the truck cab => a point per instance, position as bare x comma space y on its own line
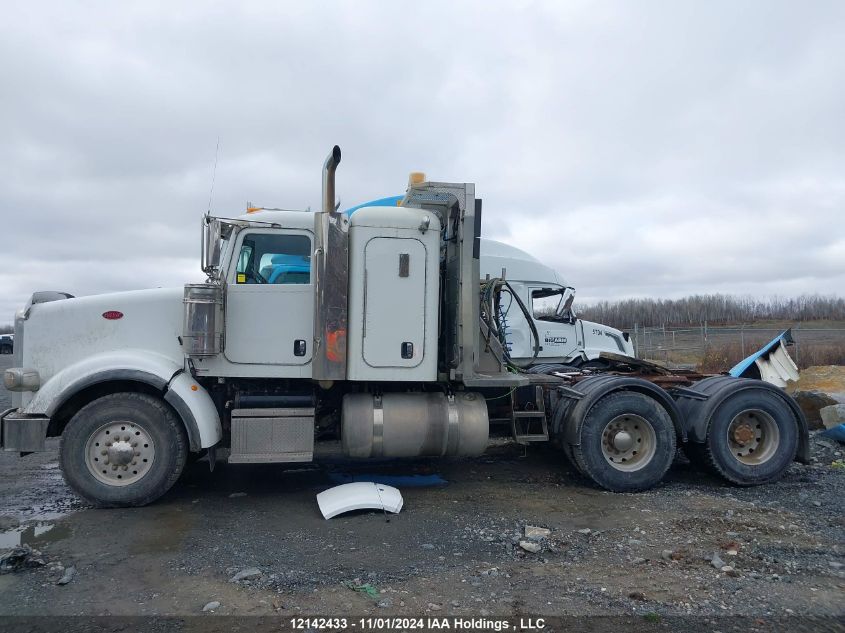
563, 337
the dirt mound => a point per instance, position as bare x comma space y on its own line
829, 379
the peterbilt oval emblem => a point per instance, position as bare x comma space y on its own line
111, 315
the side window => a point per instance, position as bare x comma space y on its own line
543, 304
274, 259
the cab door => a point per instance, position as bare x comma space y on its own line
558, 338
270, 298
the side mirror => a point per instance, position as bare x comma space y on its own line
564, 306
211, 236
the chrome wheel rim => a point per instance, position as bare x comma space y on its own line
753, 437
628, 442
119, 453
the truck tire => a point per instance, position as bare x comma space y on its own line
141, 465
752, 439
627, 442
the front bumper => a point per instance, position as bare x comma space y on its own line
22, 433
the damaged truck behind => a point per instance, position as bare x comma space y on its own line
377, 334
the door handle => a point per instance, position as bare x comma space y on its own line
299, 347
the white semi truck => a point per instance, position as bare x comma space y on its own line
371, 335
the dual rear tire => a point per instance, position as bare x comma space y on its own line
752, 438
628, 442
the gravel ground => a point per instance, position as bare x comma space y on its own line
453, 550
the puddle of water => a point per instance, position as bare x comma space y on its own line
35, 535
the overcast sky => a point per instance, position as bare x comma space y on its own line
641, 148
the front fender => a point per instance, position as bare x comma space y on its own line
191, 401
135, 365
196, 408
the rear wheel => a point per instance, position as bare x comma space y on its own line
627, 442
124, 449
752, 439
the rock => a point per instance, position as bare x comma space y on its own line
434, 607
427, 546
383, 604
211, 606
818, 504
717, 562
833, 415
811, 403
835, 564
637, 595
530, 546
16, 558
667, 554
536, 533
69, 575
731, 552
634, 541
730, 571
584, 531
493, 571
33, 562
234, 495
485, 612
249, 572
637, 561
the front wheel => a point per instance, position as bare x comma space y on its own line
124, 449
627, 442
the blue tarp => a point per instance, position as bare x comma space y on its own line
399, 481
837, 433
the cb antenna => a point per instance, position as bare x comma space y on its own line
213, 173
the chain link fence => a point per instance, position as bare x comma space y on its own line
712, 347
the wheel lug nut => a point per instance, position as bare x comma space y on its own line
125, 438
114, 466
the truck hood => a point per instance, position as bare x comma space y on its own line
602, 338
59, 333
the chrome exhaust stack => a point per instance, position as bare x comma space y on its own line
329, 169
331, 282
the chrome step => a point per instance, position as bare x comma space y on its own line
524, 423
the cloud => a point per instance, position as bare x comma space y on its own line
648, 149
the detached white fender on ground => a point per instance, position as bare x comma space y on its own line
361, 495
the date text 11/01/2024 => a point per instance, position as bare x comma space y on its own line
418, 623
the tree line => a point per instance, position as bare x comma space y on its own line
715, 309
